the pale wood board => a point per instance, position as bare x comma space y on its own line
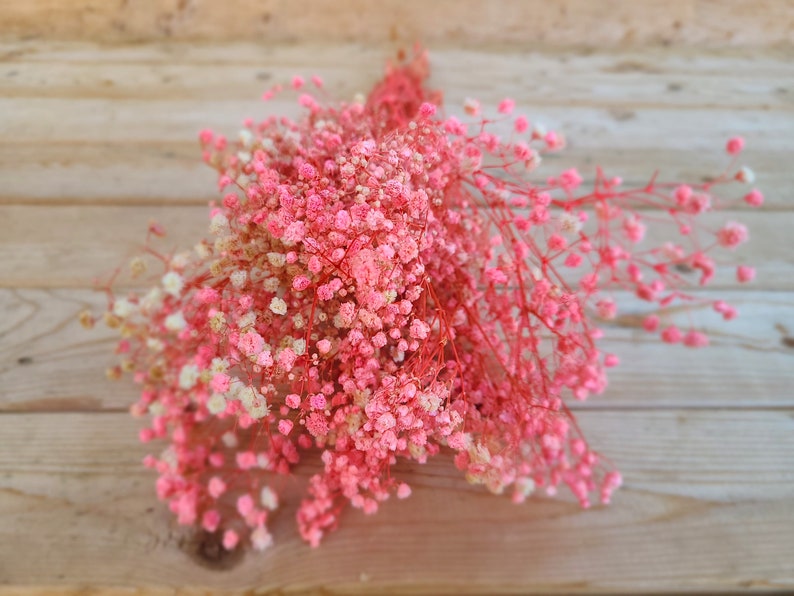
96, 140
693, 501
73, 246
745, 23
132, 113
50, 363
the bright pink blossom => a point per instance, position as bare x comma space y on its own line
754, 198
732, 234
745, 274
734, 145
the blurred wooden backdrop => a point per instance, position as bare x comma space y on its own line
100, 102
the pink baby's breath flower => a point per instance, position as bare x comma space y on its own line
427, 110
230, 539
471, 106
651, 323
695, 339
671, 335
734, 145
727, 311
496, 276
216, 487
317, 425
251, 343
732, 235
745, 273
378, 284
285, 426
300, 282
754, 198
220, 383
570, 179
245, 505
210, 520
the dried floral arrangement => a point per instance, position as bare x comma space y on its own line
384, 282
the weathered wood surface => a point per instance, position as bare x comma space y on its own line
49, 363
125, 120
697, 510
460, 22
97, 140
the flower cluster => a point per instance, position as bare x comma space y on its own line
382, 281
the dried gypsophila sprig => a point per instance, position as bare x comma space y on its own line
382, 282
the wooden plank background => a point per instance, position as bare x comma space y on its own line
100, 103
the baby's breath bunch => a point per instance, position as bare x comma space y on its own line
382, 281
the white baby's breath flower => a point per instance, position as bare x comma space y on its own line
248, 395
219, 365
216, 404
276, 259
223, 244
526, 486
254, 403
238, 278
152, 301
259, 410
137, 266
261, 539
156, 408
569, 223
168, 457
180, 261
269, 146
246, 321
173, 283
218, 322
202, 250
278, 306
299, 346
188, 376
229, 440
429, 401
268, 498
235, 387
271, 284
154, 344
123, 308
745, 175
246, 138
219, 224
175, 321
480, 453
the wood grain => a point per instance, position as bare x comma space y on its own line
72, 246
670, 78
48, 362
693, 501
747, 23
132, 113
